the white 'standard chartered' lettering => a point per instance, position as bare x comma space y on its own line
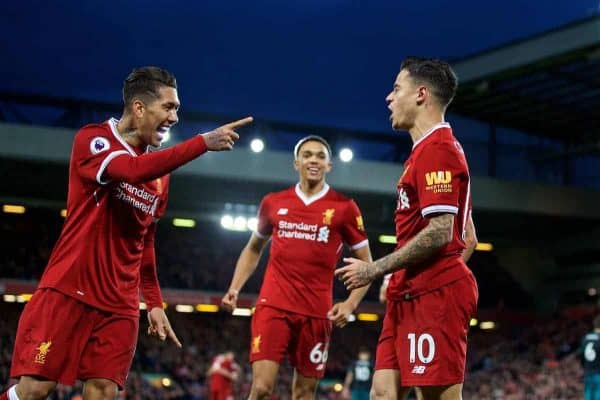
137, 197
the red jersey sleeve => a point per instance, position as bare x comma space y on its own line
92, 153
163, 189
353, 229
148, 274
264, 227
153, 165
439, 171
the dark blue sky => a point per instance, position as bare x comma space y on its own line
328, 62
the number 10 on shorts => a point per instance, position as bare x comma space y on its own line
417, 348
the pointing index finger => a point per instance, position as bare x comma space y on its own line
239, 123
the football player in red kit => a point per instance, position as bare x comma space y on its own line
432, 294
82, 321
308, 224
222, 373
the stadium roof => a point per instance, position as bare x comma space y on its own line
547, 85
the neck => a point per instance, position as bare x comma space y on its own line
425, 123
311, 188
127, 130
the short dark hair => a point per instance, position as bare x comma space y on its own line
144, 83
436, 74
309, 138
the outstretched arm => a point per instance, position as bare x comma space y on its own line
121, 166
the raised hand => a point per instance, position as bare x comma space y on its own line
225, 136
356, 273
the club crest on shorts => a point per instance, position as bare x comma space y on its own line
43, 350
99, 144
256, 344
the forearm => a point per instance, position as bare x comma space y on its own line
419, 249
149, 278
348, 380
147, 167
244, 268
357, 295
470, 240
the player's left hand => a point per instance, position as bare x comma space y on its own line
339, 313
355, 274
160, 326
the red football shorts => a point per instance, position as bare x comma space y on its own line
62, 339
304, 339
425, 337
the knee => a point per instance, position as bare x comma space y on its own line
102, 388
304, 391
35, 390
262, 389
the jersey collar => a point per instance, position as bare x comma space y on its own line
308, 200
113, 127
430, 131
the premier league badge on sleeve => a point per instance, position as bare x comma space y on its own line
99, 144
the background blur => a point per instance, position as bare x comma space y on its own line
526, 114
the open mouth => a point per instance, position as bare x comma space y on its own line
162, 131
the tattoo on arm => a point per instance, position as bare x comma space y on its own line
419, 249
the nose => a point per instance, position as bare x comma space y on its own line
173, 118
389, 98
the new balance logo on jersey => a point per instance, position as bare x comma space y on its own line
418, 369
282, 211
323, 234
403, 202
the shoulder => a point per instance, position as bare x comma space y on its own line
96, 137
334, 195
279, 195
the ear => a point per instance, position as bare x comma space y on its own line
422, 94
329, 166
138, 107
296, 165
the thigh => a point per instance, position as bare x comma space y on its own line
431, 336
51, 336
109, 351
385, 357
386, 384
271, 334
310, 346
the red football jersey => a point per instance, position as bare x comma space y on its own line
98, 254
219, 382
435, 180
307, 239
